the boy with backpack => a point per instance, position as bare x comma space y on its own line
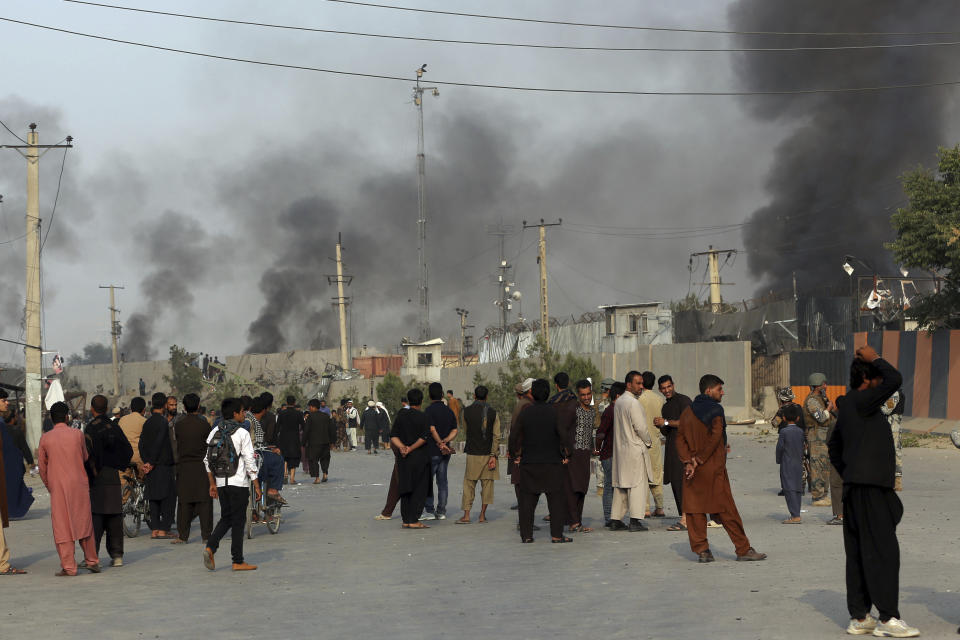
230, 469
790, 459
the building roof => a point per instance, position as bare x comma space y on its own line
428, 343
628, 306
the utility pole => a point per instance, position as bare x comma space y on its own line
33, 351
463, 313
424, 320
341, 302
115, 334
503, 281
542, 261
713, 266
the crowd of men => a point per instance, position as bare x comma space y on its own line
642, 438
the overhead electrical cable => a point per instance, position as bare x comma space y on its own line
56, 199
523, 45
479, 85
641, 28
12, 133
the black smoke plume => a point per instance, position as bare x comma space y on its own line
834, 182
179, 254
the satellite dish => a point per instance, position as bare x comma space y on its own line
516, 295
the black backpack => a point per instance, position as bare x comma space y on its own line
221, 454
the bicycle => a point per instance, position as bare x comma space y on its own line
136, 507
266, 510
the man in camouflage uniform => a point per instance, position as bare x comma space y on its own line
893, 410
819, 418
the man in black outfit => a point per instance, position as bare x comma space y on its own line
109, 454
861, 450
536, 442
408, 436
156, 451
319, 432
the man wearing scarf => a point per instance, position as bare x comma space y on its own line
701, 445
108, 452
482, 447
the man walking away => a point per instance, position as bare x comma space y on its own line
289, 421
861, 449
706, 488
232, 489
193, 489
669, 424
61, 456
319, 434
156, 450
482, 446
652, 403
631, 470
443, 429
410, 433
6, 569
790, 458
537, 444
108, 453
605, 447
269, 420
371, 427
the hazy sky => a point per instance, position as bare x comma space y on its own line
205, 187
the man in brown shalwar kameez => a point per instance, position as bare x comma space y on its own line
61, 454
706, 489
482, 446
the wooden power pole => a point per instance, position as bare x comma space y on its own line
115, 337
542, 261
33, 351
341, 303
713, 266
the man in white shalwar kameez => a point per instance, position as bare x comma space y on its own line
631, 469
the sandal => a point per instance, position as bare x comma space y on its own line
659, 514
561, 540
527, 540
462, 521
13, 571
419, 525
677, 527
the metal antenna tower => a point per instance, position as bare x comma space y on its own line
504, 285
424, 323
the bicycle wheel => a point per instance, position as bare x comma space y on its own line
273, 520
131, 519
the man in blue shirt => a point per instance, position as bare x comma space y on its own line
443, 429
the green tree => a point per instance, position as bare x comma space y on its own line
928, 237
392, 388
542, 363
184, 378
296, 391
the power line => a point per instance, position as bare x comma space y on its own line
478, 85
12, 133
56, 198
643, 28
522, 45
